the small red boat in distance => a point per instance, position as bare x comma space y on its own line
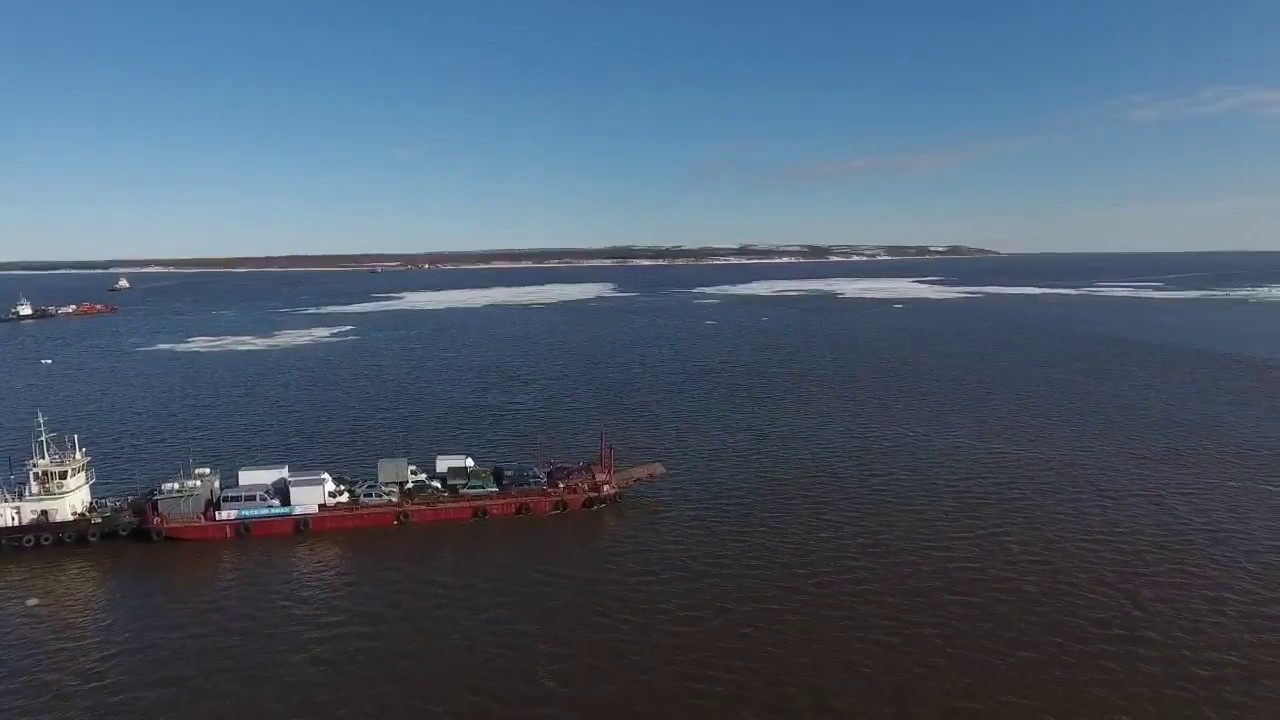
195, 509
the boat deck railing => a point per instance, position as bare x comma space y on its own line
180, 518
111, 504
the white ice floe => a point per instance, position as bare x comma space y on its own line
927, 288
475, 297
1131, 284
274, 341
706, 301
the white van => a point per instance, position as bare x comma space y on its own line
248, 498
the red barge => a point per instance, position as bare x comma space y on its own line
562, 488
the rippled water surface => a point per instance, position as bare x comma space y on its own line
1058, 500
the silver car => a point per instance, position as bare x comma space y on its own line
374, 497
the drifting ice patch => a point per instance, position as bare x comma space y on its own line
474, 297
844, 287
923, 288
274, 341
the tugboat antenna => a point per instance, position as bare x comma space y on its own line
44, 436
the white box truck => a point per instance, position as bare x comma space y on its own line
314, 488
263, 474
445, 462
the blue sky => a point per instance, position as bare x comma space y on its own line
137, 129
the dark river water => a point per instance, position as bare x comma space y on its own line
1012, 492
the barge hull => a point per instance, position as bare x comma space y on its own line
351, 518
382, 516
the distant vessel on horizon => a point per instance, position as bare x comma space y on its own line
121, 284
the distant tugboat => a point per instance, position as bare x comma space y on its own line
121, 284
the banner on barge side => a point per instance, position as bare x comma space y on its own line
254, 513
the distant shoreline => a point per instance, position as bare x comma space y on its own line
477, 266
578, 257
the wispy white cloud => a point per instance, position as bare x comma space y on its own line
904, 163
1248, 100
923, 161
1243, 99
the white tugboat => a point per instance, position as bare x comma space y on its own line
23, 309
56, 501
121, 284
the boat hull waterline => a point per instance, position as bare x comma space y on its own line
338, 519
70, 532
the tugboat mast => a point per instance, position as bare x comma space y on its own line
44, 439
